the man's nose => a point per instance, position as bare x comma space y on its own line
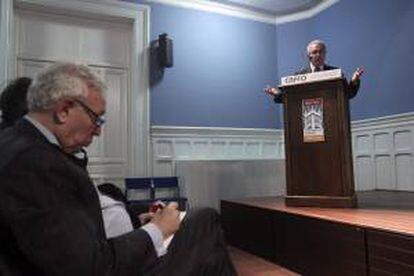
97, 131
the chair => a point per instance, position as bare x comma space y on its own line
170, 184
152, 187
141, 184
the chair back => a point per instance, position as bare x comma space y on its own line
166, 182
140, 183
170, 184
156, 185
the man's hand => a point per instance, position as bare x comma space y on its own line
144, 218
167, 219
271, 90
357, 75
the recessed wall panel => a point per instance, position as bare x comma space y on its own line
363, 144
384, 173
404, 172
403, 140
364, 174
382, 142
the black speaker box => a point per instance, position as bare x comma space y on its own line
165, 50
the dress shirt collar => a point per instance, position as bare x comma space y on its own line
42, 129
313, 67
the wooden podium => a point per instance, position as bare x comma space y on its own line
317, 140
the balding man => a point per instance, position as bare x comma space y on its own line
316, 53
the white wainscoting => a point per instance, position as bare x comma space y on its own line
196, 143
220, 163
383, 152
383, 155
206, 182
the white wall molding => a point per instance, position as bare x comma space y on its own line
305, 14
217, 163
402, 119
383, 149
208, 6
6, 14
177, 131
170, 144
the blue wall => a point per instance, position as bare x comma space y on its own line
376, 34
221, 63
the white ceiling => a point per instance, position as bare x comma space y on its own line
272, 7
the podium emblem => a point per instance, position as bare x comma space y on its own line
312, 117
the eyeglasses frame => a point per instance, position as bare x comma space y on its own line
97, 119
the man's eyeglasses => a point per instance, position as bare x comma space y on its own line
96, 119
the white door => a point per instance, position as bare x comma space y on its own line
42, 38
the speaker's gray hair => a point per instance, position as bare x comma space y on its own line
316, 42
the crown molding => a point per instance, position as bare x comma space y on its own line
187, 131
306, 14
207, 6
394, 120
224, 9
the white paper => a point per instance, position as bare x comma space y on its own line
169, 239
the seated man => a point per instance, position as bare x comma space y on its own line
13, 106
50, 217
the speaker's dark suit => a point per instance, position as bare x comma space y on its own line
50, 217
352, 89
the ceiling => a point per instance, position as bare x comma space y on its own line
272, 7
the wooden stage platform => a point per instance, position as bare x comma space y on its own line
377, 238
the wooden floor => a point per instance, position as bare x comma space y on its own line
249, 265
383, 210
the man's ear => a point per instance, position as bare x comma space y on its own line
62, 111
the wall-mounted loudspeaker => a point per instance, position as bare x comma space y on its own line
165, 50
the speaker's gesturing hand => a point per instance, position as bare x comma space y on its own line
357, 74
271, 90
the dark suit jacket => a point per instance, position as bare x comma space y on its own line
352, 88
50, 217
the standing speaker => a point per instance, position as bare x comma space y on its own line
165, 50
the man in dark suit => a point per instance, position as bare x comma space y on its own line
316, 53
50, 217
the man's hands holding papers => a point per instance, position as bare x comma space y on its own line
167, 219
